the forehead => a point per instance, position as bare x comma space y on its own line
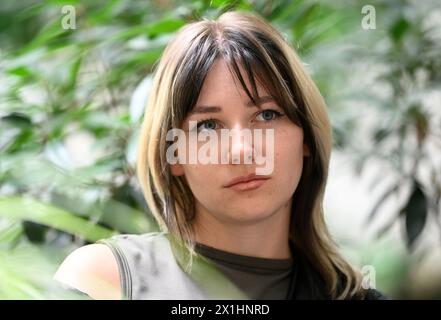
221, 84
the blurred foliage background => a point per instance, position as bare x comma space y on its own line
71, 103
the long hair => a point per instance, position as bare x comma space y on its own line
245, 39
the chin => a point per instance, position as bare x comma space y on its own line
250, 214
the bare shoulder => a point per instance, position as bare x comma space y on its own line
92, 269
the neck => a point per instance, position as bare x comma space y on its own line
267, 238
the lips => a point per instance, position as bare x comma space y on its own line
247, 182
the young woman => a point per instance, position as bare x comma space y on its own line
226, 230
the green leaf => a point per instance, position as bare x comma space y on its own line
381, 133
73, 74
165, 26
399, 28
109, 212
10, 232
21, 71
17, 119
415, 213
29, 209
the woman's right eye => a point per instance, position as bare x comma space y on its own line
208, 124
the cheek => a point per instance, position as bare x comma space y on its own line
290, 147
199, 178
289, 154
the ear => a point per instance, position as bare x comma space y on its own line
177, 169
306, 152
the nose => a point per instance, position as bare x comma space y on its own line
241, 150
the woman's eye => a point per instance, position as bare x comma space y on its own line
268, 115
264, 116
209, 124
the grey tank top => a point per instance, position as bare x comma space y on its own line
149, 269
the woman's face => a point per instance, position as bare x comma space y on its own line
255, 200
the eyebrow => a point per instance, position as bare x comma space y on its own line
216, 109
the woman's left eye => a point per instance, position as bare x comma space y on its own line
268, 115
